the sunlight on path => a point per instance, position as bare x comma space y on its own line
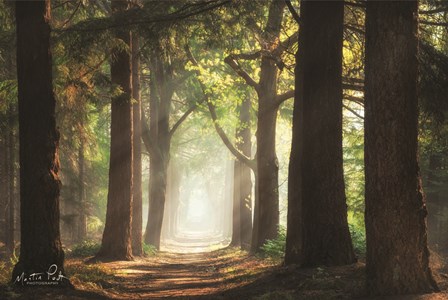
194, 242
172, 275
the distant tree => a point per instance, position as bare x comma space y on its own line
242, 182
40, 245
116, 242
318, 231
265, 164
395, 215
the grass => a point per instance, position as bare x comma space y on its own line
84, 276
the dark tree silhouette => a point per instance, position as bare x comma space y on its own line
40, 245
395, 216
317, 212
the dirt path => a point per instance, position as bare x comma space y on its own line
223, 274
172, 275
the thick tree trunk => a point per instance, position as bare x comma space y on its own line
137, 248
266, 217
116, 243
242, 209
397, 253
318, 231
40, 245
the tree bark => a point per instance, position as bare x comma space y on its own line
137, 242
82, 220
318, 231
242, 203
40, 245
161, 94
266, 217
397, 253
11, 149
116, 243
3, 178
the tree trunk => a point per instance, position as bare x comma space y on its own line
397, 253
266, 218
158, 177
40, 245
137, 248
161, 94
11, 149
4, 180
242, 209
82, 220
318, 231
116, 243
436, 234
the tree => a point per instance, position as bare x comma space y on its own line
395, 216
167, 72
242, 183
266, 215
40, 245
318, 231
160, 104
265, 165
116, 242
137, 142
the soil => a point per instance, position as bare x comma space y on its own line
222, 274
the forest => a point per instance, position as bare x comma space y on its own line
223, 149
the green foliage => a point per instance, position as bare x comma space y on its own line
149, 249
85, 249
275, 248
358, 239
6, 268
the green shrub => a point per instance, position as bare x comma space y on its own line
275, 248
358, 238
84, 249
149, 249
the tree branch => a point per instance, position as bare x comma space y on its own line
237, 68
247, 56
354, 87
353, 111
182, 119
241, 157
294, 13
279, 99
284, 45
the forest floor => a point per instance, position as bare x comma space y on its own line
222, 274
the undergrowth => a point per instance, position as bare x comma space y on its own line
6, 268
85, 249
149, 250
89, 276
275, 248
